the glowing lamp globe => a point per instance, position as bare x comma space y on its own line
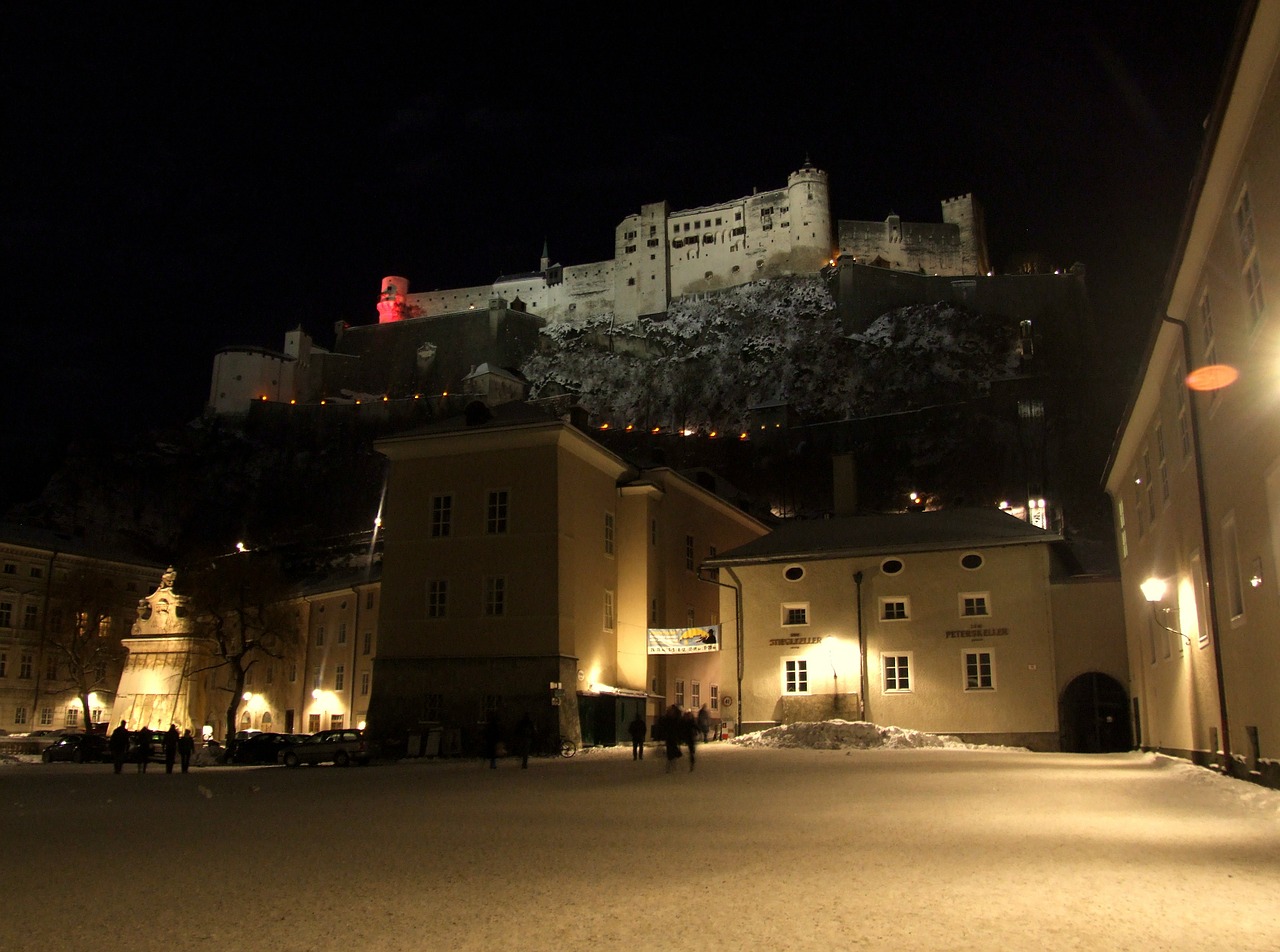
1212, 377
1152, 589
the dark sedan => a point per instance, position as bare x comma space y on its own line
262, 748
77, 748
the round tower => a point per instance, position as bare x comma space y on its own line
392, 299
810, 214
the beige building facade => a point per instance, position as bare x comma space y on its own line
957, 622
524, 566
1194, 475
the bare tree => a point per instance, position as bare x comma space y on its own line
82, 634
239, 603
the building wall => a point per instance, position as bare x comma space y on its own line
1021, 708
1088, 630
1223, 581
242, 376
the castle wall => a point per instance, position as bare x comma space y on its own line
956, 246
243, 375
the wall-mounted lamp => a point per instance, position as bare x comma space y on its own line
1153, 590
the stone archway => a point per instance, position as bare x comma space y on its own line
1093, 715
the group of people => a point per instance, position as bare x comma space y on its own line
675, 728
175, 747
522, 740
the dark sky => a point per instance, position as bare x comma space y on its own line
180, 177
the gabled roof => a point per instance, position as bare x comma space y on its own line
887, 535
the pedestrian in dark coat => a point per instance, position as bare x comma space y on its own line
670, 730
186, 747
143, 753
170, 747
119, 745
492, 735
704, 723
637, 729
689, 734
524, 739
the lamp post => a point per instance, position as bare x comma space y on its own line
830, 642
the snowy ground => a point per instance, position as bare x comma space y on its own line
771, 849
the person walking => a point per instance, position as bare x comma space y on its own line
524, 739
170, 747
186, 747
492, 735
119, 745
143, 753
637, 729
670, 730
704, 723
689, 734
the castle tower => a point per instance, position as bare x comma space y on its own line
391, 300
965, 212
813, 240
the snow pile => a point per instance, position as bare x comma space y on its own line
844, 735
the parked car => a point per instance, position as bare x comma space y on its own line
261, 748
339, 747
156, 753
77, 748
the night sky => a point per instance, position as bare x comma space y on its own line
182, 177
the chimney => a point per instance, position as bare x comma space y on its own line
844, 484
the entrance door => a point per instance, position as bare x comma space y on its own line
1093, 715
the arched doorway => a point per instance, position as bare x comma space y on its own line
1093, 715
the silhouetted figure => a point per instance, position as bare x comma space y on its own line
689, 734
524, 739
170, 747
186, 747
637, 729
119, 745
492, 735
704, 723
143, 753
669, 727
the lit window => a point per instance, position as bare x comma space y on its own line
20, 715
1124, 535
974, 604
441, 516
337, 722
796, 614
496, 519
313, 723
46, 716
715, 696
608, 610
339, 677
795, 676
895, 608
72, 717
979, 671
315, 679
679, 692
695, 694
897, 673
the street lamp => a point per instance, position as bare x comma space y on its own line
1153, 590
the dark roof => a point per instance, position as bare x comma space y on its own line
504, 415
52, 540
886, 535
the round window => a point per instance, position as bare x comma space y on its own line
971, 561
891, 566
793, 573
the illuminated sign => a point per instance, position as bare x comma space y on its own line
977, 633
684, 640
793, 640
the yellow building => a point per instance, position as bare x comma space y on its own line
960, 622
1194, 474
524, 565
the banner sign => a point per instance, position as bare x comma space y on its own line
684, 640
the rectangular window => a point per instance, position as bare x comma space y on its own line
715, 696
679, 692
4, 663
319, 636
895, 608
1162, 462
1149, 485
1251, 272
795, 614
37, 572
368, 600
293, 672
1231, 558
316, 684
313, 723
608, 610
46, 716
1184, 423
337, 722
366, 646
72, 717
342, 632
20, 715
979, 671
496, 513
495, 595
29, 616
688, 552
795, 676
437, 597
339, 677
25, 663
10, 568
51, 668
897, 673
974, 604
271, 673
608, 533
6, 614
441, 516
1124, 535
364, 683
695, 694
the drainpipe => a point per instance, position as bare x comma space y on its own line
1205, 545
737, 611
862, 650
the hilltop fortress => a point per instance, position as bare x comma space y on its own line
660, 255
426, 342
